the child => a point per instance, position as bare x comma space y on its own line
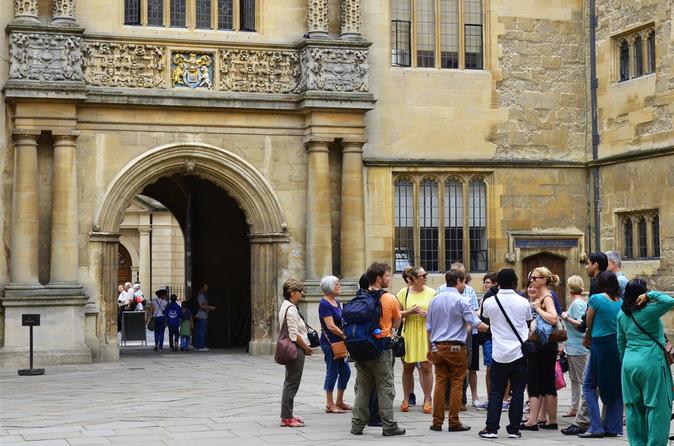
173, 317
185, 327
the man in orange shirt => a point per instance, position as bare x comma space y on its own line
378, 372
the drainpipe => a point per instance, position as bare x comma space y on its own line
595, 126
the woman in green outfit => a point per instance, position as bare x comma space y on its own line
646, 376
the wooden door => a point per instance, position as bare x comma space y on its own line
554, 264
123, 265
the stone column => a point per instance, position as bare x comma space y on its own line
144, 258
64, 223
350, 19
317, 19
264, 294
25, 236
352, 246
64, 13
319, 229
26, 10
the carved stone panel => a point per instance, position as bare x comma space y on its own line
260, 71
317, 18
350, 18
192, 70
63, 12
26, 10
109, 64
335, 69
45, 57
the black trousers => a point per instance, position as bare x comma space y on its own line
516, 372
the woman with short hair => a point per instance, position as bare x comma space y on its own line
338, 371
646, 376
293, 293
604, 367
576, 353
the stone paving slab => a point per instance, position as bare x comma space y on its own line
214, 398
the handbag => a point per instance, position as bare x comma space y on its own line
667, 349
559, 376
312, 335
286, 350
338, 350
398, 346
528, 347
563, 362
150, 324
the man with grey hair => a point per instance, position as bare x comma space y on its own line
614, 265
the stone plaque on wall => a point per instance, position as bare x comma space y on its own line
260, 71
192, 70
45, 57
109, 64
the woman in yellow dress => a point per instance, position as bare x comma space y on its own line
414, 301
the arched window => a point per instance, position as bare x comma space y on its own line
643, 238
655, 226
477, 224
425, 31
628, 239
624, 61
403, 220
178, 13
132, 12
638, 57
651, 52
453, 222
429, 210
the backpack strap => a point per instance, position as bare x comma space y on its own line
519, 338
664, 350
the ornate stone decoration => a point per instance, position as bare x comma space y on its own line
63, 12
350, 19
192, 70
109, 64
26, 10
317, 18
260, 71
45, 57
334, 69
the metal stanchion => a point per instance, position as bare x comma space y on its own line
31, 320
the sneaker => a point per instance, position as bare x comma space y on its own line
514, 434
291, 422
412, 399
487, 434
505, 406
396, 431
480, 405
205, 349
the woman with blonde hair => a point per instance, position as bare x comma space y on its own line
576, 353
541, 366
414, 301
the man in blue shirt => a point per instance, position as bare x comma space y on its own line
446, 321
615, 265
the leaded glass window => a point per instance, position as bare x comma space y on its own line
624, 61
428, 224
638, 57
453, 222
651, 52
425, 24
403, 218
655, 227
203, 16
247, 10
643, 238
401, 27
178, 13
449, 33
132, 12
225, 15
477, 225
155, 12
473, 34
628, 239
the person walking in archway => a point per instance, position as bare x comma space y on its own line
201, 319
157, 310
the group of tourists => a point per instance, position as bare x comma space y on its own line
612, 341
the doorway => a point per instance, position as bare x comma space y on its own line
555, 264
123, 265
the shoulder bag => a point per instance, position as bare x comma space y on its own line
312, 335
528, 347
338, 348
667, 349
286, 350
398, 341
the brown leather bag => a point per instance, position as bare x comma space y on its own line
338, 350
286, 350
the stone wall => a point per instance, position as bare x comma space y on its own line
637, 114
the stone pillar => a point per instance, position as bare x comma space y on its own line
350, 19
26, 11
319, 229
264, 294
144, 259
352, 246
64, 223
25, 236
64, 13
317, 19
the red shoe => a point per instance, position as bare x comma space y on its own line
291, 422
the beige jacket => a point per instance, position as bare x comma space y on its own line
296, 326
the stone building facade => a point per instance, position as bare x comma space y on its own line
311, 137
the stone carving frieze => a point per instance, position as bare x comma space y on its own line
64, 9
260, 71
350, 16
110, 64
45, 57
335, 69
25, 8
192, 70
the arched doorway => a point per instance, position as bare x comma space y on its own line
555, 264
233, 203
123, 265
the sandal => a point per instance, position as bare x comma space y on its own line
333, 409
428, 408
404, 406
344, 406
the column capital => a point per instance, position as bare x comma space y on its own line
18, 134
353, 145
145, 229
318, 144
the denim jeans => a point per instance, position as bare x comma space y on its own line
184, 342
613, 419
200, 333
159, 328
516, 372
336, 369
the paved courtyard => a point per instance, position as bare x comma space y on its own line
213, 398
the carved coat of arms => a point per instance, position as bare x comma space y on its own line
191, 70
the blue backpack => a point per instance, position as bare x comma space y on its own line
361, 318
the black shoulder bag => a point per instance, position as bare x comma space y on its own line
668, 350
312, 335
528, 347
398, 341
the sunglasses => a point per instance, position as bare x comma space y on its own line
536, 277
422, 276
